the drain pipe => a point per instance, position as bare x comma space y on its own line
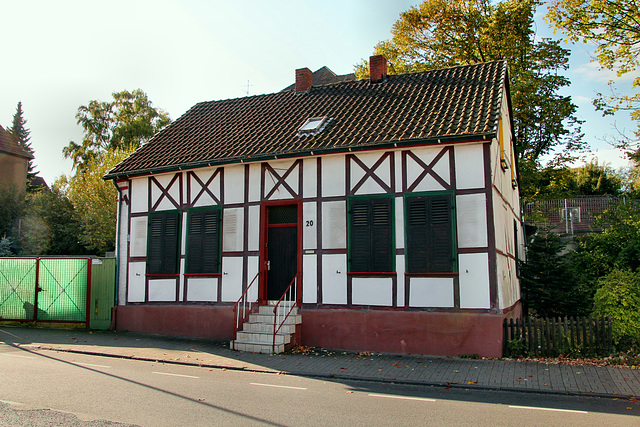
118, 225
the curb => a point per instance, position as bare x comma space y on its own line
342, 377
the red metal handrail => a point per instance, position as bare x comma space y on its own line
291, 293
244, 299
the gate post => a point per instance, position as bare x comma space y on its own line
37, 291
88, 309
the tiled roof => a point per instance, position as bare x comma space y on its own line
324, 76
452, 103
8, 144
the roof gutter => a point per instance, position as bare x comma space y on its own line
311, 152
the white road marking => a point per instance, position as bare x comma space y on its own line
17, 355
91, 365
548, 409
279, 386
390, 396
174, 375
9, 402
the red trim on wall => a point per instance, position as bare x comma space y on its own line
431, 274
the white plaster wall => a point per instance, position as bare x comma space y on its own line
469, 166
333, 179
292, 180
471, 220
508, 289
309, 226
309, 279
231, 278
255, 175
202, 289
136, 288
334, 225
254, 228
174, 191
370, 186
400, 288
309, 177
181, 280
372, 291
138, 194
441, 168
252, 270
204, 175
334, 279
232, 229
234, 184
431, 292
474, 280
162, 290
399, 202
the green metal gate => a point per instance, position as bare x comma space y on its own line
45, 289
103, 286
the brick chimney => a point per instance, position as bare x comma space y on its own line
377, 68
304, 79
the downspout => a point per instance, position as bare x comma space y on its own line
118, 225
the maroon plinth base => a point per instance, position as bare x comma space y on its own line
402, 332
214, 322
406, 332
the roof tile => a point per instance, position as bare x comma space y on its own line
453, 102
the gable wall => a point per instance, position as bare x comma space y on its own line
506, 213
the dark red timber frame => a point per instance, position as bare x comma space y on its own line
264, 253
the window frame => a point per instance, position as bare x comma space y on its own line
189, 269
410, 269
164, 269
392, 229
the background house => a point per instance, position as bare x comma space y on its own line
14, 161
392, 200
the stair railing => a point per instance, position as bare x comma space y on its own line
283, 308
243, 307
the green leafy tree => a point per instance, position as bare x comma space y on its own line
49, 226
6, 247
12, 206
444, 33
619, 297
24, 137
94, 200
125, 123
614, 27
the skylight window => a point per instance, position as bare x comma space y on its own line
313, 126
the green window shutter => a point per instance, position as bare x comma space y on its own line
429, 223
371, 235
203, 251
163, 244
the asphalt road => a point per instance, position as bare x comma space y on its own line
58, 388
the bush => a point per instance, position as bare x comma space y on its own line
619, 297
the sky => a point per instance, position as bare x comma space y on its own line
59, 55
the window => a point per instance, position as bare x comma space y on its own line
163, 243
313, 126
203, 241
371, 245
430, 235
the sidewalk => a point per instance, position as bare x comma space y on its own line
427, 370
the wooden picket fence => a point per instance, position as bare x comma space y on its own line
580, 336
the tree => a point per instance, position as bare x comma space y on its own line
619, 297
49, 225
94, 200
614, 27
444, 33
12, 205
22, 134
549, 285
125, 123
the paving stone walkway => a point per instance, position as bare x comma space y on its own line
409, 369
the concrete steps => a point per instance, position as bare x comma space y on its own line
256, 335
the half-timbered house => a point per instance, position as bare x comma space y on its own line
386, 209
